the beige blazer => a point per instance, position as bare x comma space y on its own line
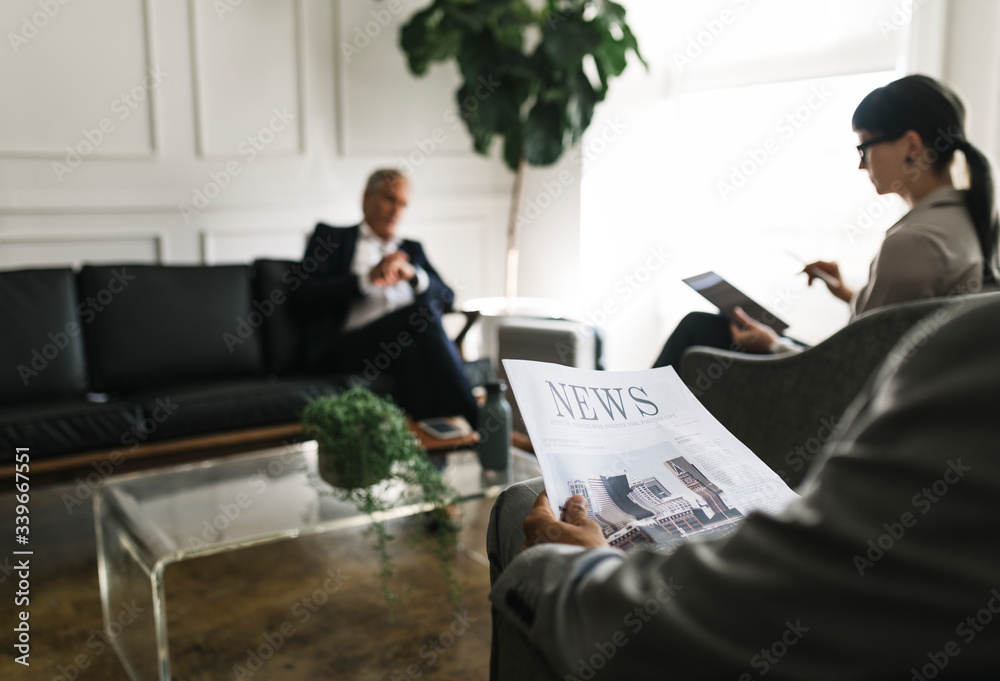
931, 251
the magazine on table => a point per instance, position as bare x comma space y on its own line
655, 466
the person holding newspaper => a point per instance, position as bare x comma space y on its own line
909, 132
882, 569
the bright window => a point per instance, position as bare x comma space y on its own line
747, 163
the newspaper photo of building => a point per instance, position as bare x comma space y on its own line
634, 512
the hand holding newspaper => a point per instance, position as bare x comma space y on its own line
654, 464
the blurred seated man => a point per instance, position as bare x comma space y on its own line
883, 569
374, 305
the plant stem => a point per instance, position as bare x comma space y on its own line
388, 568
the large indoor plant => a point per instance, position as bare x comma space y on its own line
365, 449
546, 64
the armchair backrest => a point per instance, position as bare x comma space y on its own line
785, 407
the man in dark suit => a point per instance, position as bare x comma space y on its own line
374, 305
887, 567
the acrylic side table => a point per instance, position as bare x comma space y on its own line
147, 521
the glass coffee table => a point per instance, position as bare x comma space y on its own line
147, 521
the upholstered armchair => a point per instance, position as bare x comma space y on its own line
784, 407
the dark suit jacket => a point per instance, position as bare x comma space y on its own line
326, 295
888, 567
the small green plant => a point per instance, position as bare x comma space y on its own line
364, 443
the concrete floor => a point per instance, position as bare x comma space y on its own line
310, 606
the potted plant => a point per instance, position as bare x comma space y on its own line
364, 446
547, 69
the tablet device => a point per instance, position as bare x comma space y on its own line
442, 428
725, 296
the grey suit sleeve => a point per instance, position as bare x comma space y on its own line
887, 566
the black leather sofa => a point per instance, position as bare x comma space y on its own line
116, 358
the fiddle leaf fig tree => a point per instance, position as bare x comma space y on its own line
532, 73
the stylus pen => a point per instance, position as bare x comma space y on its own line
816, 271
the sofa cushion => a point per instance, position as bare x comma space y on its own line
54, 428
159, 325
193, 409
41, 353
276, 281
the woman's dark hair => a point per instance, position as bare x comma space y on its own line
935, 112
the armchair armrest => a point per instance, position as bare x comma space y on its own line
785, 407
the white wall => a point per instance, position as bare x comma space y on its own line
550, 230
971, 64
131, 192
334, 65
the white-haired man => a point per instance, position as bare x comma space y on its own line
374, 306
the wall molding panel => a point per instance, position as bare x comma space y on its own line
101, 117
244, 245
383, 110
214, 70
54, 249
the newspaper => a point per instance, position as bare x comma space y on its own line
655, 466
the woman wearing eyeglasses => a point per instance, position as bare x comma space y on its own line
909, 132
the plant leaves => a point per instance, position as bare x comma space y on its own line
539, 103
430, 35
413, 40
580, 107
568, 41
631, 43
507, 22
473, 19
543, 134
610, 56
482, 134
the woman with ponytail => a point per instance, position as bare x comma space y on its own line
910, 131
946, 244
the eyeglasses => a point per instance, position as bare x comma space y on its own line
863, 147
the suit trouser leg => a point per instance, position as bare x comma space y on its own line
511, 655
411, 345
697, 328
